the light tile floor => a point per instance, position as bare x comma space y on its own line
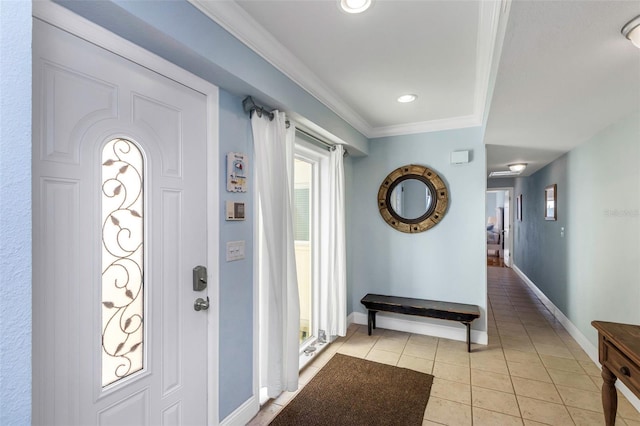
531, 373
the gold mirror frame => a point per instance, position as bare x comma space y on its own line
436, 211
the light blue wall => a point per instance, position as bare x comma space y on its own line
15, 213
491, 205
500, 183
236, 278
494, 199
500, 196
593, 272
539, 250
603, 227
446, 262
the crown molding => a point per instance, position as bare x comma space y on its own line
230, 16
242, 26
427, 126
488, 26
492, 26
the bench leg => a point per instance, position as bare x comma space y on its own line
468, 324
371, 321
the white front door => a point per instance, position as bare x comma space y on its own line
119, 222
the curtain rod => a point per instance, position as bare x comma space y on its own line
324, 143
330, 146
249, 106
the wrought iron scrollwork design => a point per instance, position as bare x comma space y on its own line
122, 260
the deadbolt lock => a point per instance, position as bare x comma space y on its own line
199, 278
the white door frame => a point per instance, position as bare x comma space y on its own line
62, 18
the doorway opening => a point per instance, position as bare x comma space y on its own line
310, 195
499, 219
304, 221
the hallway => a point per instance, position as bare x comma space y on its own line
532, 372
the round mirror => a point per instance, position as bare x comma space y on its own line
412, 198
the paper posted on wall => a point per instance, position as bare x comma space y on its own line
237, 172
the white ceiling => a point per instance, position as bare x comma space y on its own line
565, 71
393, 49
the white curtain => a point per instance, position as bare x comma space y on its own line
278, 285
335, 294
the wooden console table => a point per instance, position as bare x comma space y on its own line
619, 354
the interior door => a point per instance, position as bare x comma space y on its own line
119, 222
507, 229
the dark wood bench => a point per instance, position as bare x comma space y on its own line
460, 312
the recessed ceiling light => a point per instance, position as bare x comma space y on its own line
407, 98
503, 173
355, 6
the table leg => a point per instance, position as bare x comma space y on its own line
609, 396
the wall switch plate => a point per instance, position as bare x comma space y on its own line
235, 250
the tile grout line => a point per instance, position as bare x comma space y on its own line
545, 367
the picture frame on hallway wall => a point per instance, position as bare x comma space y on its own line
519, 208
550, 202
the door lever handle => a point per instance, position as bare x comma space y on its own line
200, 304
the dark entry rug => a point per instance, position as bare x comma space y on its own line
353, 391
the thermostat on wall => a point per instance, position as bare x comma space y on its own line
459, 157
235, 211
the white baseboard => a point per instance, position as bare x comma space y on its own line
350, 319
585, 344
422, 326
243, 414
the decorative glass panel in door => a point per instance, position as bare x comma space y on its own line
122, 260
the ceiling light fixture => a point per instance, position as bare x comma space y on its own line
632, 31
355, 6
407, 98
518, 167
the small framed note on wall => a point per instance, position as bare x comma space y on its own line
550, 198
237, 172
519, 208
